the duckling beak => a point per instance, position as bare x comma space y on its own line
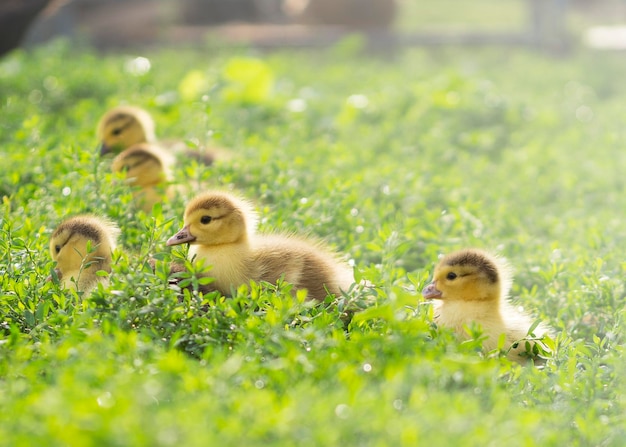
104, 149
430, 292
184, 236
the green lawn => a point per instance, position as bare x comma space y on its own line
392, 161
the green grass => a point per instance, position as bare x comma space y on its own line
393, 162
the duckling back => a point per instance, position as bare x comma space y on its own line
517, 325
305, 264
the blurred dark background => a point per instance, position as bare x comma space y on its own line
547, 24
108, 23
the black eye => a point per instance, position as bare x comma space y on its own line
116, 131
57, 248
205, 220
451, 276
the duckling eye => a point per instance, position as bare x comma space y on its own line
451, 276
57, 248
117, 131
205, 220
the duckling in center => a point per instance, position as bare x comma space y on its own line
147, 170
82, 246
472, 286
220, 228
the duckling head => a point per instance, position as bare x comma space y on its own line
123, 126
142, 164
216, 218
469, 275
81, 246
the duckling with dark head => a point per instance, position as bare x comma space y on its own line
82, 246
147, 171
220, 227
472, 286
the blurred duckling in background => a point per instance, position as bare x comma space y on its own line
82, 246
147, 170
124, 126
221, 229
473, 287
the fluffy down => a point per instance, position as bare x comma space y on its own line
221, 230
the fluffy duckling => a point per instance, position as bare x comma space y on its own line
81, 246
147, 170
221, 231
473, 286
125, 126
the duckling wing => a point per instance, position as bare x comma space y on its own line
304, 264
517, 323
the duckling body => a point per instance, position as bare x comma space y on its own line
147, 170
221, 230
82, 246
473, 287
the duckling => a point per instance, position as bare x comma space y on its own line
82, 246
221, 229
147, 169
473, 286
125, 126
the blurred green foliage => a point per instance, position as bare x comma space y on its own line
393, 161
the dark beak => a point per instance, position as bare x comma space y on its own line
430, 292
182, 237
104, 149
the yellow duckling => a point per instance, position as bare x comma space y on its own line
82, 246
221, 230
473, 287
125, 126
147, 170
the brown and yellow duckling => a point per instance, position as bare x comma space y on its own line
147, 171
220, 228
125, 126
81, 247
472, 286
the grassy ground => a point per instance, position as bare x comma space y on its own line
393, 162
